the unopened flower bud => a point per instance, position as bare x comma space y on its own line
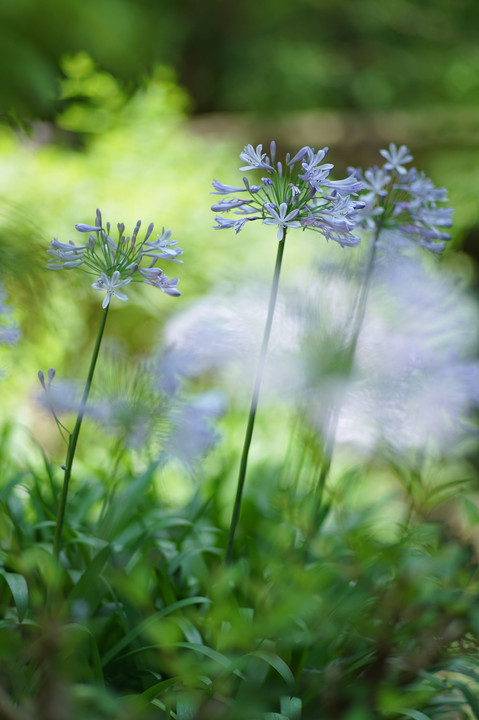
82, 227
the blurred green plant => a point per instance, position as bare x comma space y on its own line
365, 54
149, 622
376, 615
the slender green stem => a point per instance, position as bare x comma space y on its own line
358, 319
363, 296
254, 402
74, 439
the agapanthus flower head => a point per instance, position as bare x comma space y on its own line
403, 205
293, 197
117, 263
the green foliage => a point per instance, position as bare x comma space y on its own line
147, 620
269, 57
357, 602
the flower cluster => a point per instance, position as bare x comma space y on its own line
116, 264
138, 408
287, 198
9, 334
403, 202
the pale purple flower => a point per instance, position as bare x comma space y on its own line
192, 432
396, 157
403, 206
157, 278
256, 159
282, 218
375, 181
229, 223
62, 397
116, 263
252, 189
417, 375
163, 248
225, 205
66, 256
9, 334
222, 189
83, 228
51, 375
421, 187
314, 173
111, 287
302, 154
308, 199
347, 186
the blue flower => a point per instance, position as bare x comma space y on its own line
115, 263
162, 248
9, 334
225, 205
306, 199
81, 227
396, 157
256, 159
222, 189
111, 287
282, 218
402, 205
157, 278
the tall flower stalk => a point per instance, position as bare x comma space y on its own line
72, 443
115, 264
288, 198
401, 208
254, 401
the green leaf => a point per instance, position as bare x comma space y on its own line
212, 654
462, 669
291, 707
95, 655
157, 689
206, 651
141, 627
470, 697
6, 489
414, 714
19, 589
190, 632
124, 505
276, 663
88, 585
182, 556
472, 511
185, 707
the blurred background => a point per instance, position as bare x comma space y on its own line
134, 106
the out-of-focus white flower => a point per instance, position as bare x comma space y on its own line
221, 333
9, 333
192, 432
134, 407
417, 370
415, 376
